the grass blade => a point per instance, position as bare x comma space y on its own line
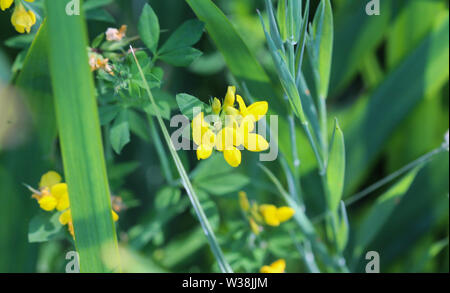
81, 143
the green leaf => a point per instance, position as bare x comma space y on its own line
336, 169
148, 28
186, 35
381, 211
181, 57
108, 113
138, 125
223, 184
34, 81
187, 103
45, 227
167, 198
119, 134
81, 140
281, 17
20, 41
320, 46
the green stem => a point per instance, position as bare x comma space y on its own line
423, 159
223, 265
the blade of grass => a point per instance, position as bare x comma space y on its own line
224, 266
80, 138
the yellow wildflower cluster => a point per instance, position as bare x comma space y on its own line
54, 195
21, 18
229, 128
276, 267
265, 214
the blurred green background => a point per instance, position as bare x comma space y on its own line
389, 74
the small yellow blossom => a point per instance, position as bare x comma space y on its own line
278, 266
236, 126
113, 34
53, 194
274, 216
22, 19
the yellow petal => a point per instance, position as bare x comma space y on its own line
265, 270
232, 156
216, 106
59, 190
49, 179
243, 201
242, 106
47, 203
230, 97
5, 4
199, 126
115, 216
65, 217
258, 110
278, 266
204, 151
285, 213
227, 138
269, 213
32, 16
255, 142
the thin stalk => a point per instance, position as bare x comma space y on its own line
421, 160
324, 129
223, 265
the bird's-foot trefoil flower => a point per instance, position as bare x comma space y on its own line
53, 195
265, 214
278, 266
22, 19
229, 128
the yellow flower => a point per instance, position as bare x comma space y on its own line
235, 129
52, 194
269, 213
276, 267
274, 216
22, 19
